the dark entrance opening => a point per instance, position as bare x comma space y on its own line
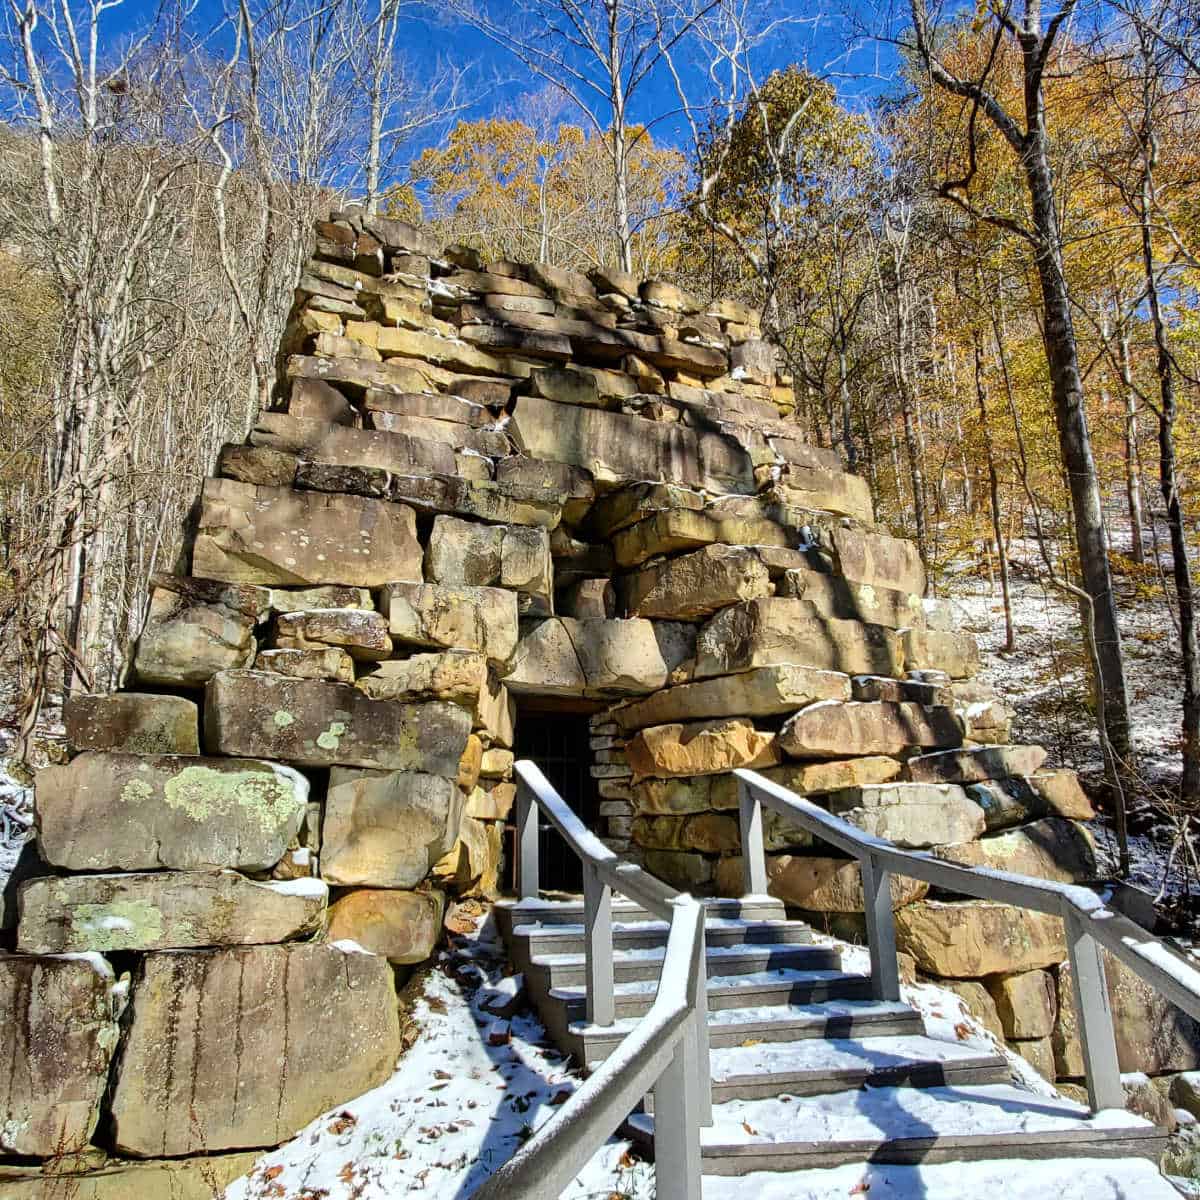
558, 743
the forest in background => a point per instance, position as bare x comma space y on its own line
983, 274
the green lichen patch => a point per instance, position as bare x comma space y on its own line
201, 793
118, 925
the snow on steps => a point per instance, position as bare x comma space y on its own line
1060, 1179
902, 1124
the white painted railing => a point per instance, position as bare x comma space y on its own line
666, 1052
1089, 925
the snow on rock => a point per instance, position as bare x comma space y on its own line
463, 1098
16, 821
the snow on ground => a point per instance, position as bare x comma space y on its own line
16, 820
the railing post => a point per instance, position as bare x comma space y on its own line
881, 928
677, 1128
1095, 1016
754, 863
700, 1062
598, 947
527, 842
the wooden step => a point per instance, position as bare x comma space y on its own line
510, 913
816, 1067
567, 970
1046, 1179
910, 1125
543, 940
591, 1044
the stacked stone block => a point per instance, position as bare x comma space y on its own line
485, 486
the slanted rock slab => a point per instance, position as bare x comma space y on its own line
914, 815
831, 730
403, 927
320, 724
975, 765
463, 618
694, 586
164, 911
59, 1035
1052, 848
107, 811
185, 642
229, 1049
700, 748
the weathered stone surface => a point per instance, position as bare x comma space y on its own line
402, 451
625, 506
694, 586
834, 731
470, 763
258, 465
453, 434
292, 600
497, 763
457, 675
758, 693
113, 811
403, 927
1038, 1053
700, 748
387, 829
877, 559
929, 649
546, 662
59, 1034
708, 833
972, 766
1152, 1035
516, 557
132, 721
686, 871
589, 600
277, 536
1185, 1092
1027, 1004
466, 618
1052, 848
685, 529
816, 883
473, 864
562, 485
971, 938
616, 447
914, 815
492, 803
185, 643
833, 596
163, 911
566, 385
208, 1066
807, 487
363, 635
330, 663
316, 400
878, 687
434, 406
320, 724
164, 1179
1059, 790
762, 633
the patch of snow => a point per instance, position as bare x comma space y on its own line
96, 961
349, 946
309, 888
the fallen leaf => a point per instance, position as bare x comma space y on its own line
861, 1188
750, 1129
962, 1031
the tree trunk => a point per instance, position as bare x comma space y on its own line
994, 494
1133, 475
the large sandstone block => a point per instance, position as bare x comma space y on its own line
625, 506
758, 693
403, 927
479, 498
808, 487
464, 618
673, 530
1018, 799
363, 635
967, 939
694, 586
831, 730
242, 1047
114, 811
707, 833
933, 650
328, 663
404, 453
1052, 848
615, 447
320, 724
914, 815
185, 642
132, 721
1153, 1036
976, 765
700, 748
164, 911
116, 1179
763, 633
473, 864
277, 536
490, 443
456, 675
59, 1035
833, 596
387, 829
877, 559
816, 883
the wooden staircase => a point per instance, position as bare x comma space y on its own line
808, 1071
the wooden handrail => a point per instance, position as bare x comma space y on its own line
666, 1051
1089, 923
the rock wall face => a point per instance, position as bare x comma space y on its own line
485, 487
